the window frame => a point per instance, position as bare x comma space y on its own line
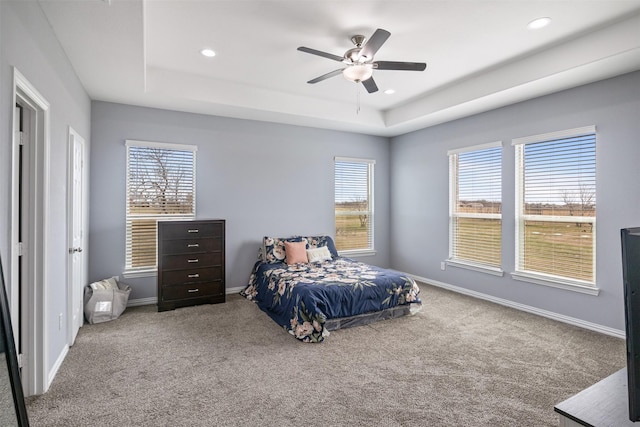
452, 259
370, 250
520, 273
144, 271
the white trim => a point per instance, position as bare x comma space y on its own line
561, 134
354, 160
480, 215
134, 274
529, 309
357, 253
142, 301
493, 144
36, 376
164, 145
556, 282
496, 271
56, 366
558, 218
154, 300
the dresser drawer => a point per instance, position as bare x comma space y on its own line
188, 261
189, 246
194, 290
191, 229
192, 275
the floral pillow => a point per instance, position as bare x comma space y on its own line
273, 250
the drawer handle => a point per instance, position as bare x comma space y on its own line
193, 290
195, 230
193, 276
193, 260
193, 245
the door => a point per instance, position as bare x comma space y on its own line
29, 231
76, 234
21, 117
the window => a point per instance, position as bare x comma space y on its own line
475, 220
160, 186
556, 206
354, 204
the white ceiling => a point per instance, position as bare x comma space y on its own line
479, 54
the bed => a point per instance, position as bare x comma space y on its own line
308, 289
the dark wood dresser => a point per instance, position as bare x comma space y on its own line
190, 263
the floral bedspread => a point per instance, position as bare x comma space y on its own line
301, 297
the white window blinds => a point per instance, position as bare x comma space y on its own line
556, 205
475, 220
354, 204
160, 186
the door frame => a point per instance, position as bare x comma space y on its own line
35, 371
75, 290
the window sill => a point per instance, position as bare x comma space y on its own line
568, 285
475, 267
356, 254
134, 274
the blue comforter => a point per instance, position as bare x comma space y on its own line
301, 297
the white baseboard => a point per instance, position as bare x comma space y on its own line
142, 301
154, 300
522, 307
56, 366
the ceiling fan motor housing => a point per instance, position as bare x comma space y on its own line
353, 55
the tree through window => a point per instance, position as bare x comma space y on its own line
160, 186
354, 204
556, 205
475, 175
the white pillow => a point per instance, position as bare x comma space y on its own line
318, 254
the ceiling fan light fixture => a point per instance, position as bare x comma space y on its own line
358, 73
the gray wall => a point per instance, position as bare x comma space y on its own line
419, 193
27, 43
263, 178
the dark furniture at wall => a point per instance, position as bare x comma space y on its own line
190, 263
603, 404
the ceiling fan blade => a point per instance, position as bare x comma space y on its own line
395, 65
374, 43
325, 76
321, 53
370, 85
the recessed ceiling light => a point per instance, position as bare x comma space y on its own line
389, 91
538, 23
208, 53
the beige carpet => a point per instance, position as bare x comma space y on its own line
459, 362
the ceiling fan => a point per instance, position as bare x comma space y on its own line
359, 61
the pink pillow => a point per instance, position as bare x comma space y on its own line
295, 252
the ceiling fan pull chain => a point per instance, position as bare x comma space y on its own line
357, 99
